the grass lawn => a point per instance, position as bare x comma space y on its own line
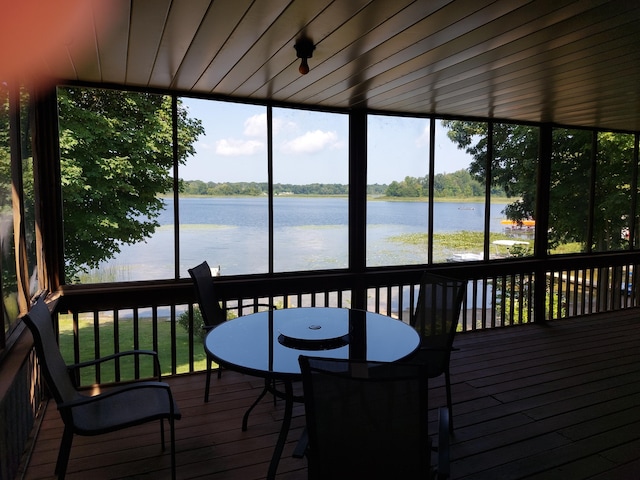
86, 333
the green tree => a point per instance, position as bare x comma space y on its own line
116, 158
195, 187
514, 169
409, 187
612, 208
569, 195
457, 184
515, 155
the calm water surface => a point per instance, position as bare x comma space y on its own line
309, 233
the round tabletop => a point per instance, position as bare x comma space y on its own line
268, 344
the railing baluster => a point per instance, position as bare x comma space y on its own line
576, 284
154, 327
530, 293
174, 347
555, 280
581, 291
490, 296
96, 343
136, 343
116, 344
191, 333
474, 302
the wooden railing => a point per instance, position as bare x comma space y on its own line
161, 316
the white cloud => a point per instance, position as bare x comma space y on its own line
204, 146
256, 126
423, 139
312, 142
233, 148
282, 125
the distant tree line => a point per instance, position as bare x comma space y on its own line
460, 184
456, 184
198, 187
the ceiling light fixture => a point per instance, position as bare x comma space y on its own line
304, 50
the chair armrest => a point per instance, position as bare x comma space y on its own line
89, 363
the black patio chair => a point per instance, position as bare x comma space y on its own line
436, 319
213, 314
113, 409
369, 420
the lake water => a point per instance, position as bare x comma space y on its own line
309, 233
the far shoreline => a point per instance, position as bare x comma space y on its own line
373, 198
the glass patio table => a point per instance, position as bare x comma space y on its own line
268, 344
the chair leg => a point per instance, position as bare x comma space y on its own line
162, 443
63, 454
447, 381
208, 381
275, 399
443, 469
301, 446
172, 439
173, 448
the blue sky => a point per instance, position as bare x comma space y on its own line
308, 146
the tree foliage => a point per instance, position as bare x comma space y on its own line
198, 187
460, 184
514, 169
515, 155
116, 158
409, 187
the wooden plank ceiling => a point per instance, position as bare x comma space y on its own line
573, 62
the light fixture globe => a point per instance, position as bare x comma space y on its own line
304, 50
304, 67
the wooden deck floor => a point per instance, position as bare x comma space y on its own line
560, 401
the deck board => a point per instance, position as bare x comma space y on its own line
552, 401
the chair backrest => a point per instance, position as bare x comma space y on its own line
438, 309
365, 419
212, 312
54, 369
